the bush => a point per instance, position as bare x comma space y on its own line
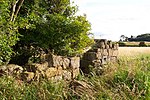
142, 44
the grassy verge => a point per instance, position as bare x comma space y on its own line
129, 79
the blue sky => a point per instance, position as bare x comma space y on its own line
112, 18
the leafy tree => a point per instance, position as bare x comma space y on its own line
51, 25
8, 31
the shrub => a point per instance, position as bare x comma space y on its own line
142, 44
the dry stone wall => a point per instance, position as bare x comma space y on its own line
102, 52
54, 67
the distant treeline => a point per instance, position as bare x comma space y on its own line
142, 37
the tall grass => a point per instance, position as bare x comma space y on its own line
127, 79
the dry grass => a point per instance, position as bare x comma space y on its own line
133, 51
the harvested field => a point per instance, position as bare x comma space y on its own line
133, 51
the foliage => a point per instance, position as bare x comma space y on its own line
8, 32
142, 44
49, 25
142, 37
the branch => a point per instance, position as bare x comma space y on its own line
17, 10
13, 10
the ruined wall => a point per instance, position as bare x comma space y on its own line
102, 52
54, 67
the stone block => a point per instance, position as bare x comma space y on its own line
115, 46
65, 63
106, 46
59, 70
51, 72
110, 44
101, 45
74, 62
104, 60
13, 69
41, 67
56, 78
28, 76
110, 52
66, 75
105, 52
54, 61
75, 72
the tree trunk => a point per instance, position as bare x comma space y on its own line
13, 10
18, 8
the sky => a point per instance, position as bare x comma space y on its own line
112, 18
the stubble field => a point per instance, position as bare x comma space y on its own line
133, 51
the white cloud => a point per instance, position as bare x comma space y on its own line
116, 17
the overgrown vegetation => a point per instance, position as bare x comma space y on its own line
128, 79
41, 25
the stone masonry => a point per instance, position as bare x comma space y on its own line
102, 52
54, 67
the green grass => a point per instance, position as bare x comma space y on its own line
128, 79
132, 44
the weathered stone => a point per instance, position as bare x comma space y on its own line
50, 72
54, 61
41, 67
110, 53
28, 76
101, 45
74, 62
66, 75
65, 63
59, 70
57, 78
100, 54
75, 72
30, 68
110, 44
13, 69
106, 46
104, 60
105, 52
115, 46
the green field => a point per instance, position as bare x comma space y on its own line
132, 44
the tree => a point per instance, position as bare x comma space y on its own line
8, 29
51, 25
